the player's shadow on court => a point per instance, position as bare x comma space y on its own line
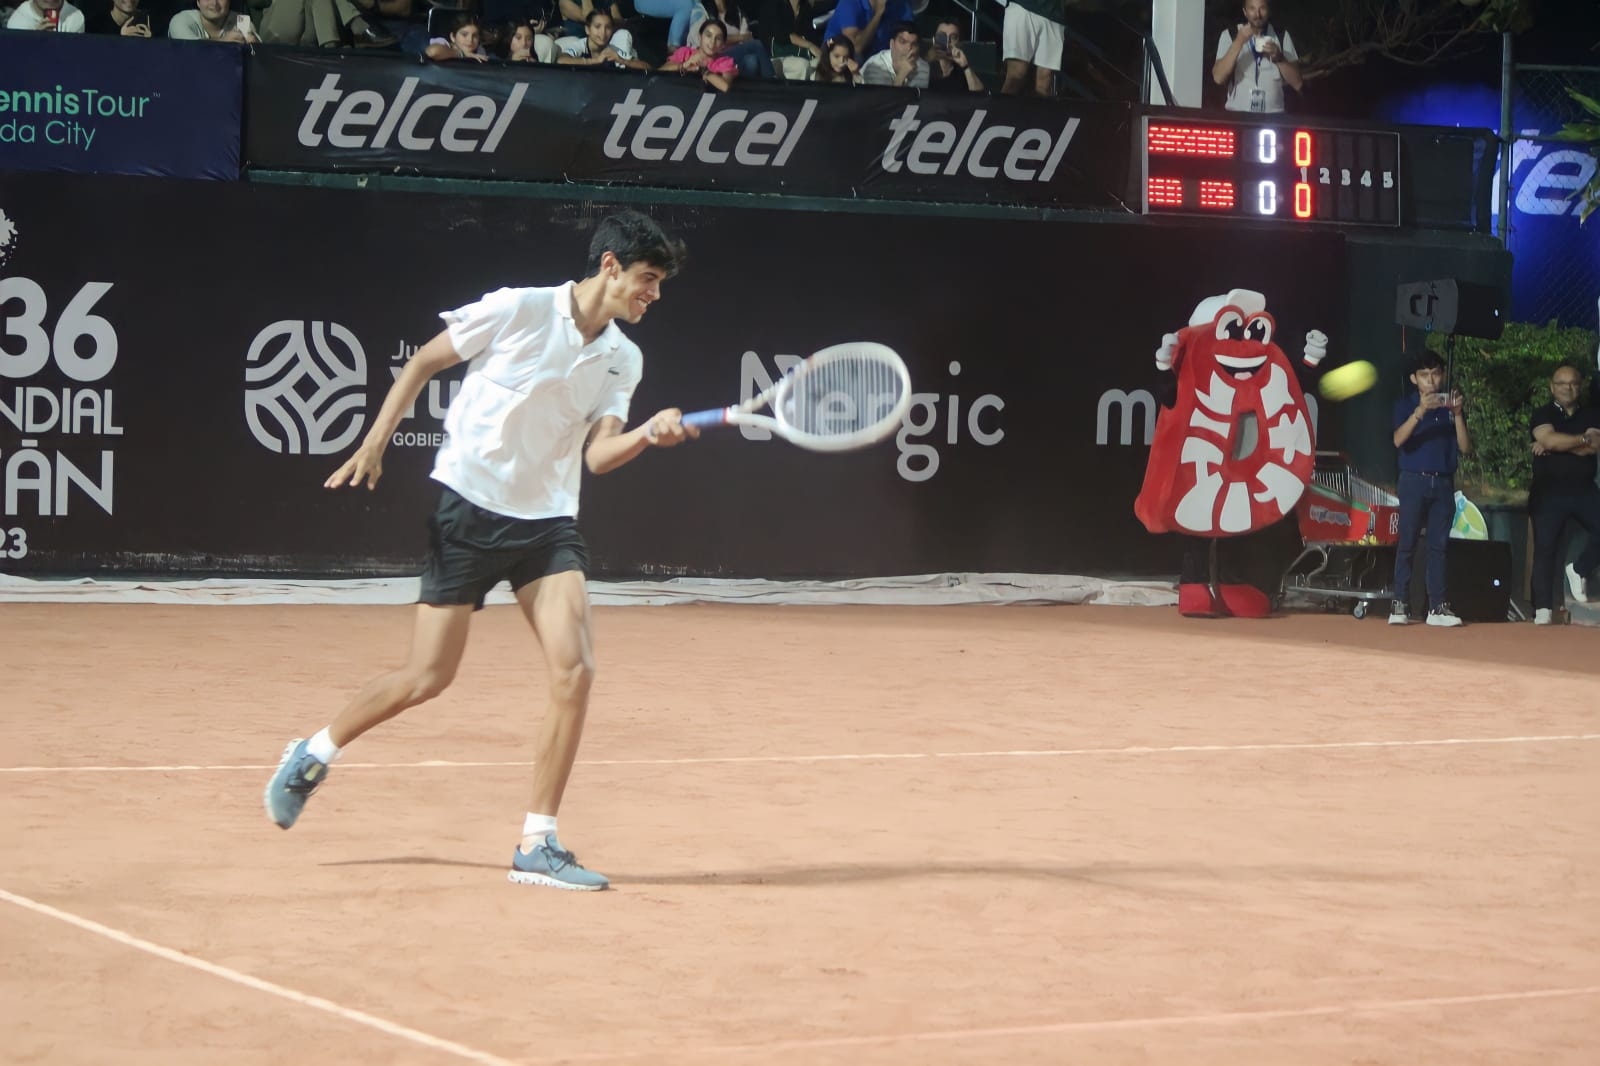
1177, 879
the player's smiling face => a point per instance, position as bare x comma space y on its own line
630, 292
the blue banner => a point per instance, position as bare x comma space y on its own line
120, 105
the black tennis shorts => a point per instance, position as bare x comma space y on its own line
471, 550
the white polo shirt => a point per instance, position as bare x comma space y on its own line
1256, 84
515, 431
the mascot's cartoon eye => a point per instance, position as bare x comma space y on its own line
1230, 326
1259, 330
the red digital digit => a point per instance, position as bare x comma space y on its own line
1302, 199
1302, 148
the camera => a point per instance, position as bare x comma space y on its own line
941, 40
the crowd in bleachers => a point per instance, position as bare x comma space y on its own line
838, 42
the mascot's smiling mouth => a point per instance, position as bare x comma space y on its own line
1240, 368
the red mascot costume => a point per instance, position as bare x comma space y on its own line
1234, 452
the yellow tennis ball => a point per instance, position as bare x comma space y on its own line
1352, 379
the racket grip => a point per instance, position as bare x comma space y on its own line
706, 419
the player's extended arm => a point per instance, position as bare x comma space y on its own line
609, 447
367, 463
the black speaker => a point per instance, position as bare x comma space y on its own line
1477, 580
1464, 308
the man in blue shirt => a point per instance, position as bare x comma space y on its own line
1430, 429
868, 23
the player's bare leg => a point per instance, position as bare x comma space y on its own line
438, 641
1044, 83
558, 609
439, 636
1016, 77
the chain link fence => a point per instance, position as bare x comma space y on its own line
1558, 261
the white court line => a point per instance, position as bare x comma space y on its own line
1107, 1025
1169, 1021
406, 1033
1047, 753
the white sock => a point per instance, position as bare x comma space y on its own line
322, 748
534, 829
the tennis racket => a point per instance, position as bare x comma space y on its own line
845, 397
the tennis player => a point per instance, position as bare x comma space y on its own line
549, 379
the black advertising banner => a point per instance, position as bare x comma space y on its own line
111, 105
168, 405
342, 111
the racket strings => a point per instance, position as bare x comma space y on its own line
843, 396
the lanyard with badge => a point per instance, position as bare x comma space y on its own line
1258, 95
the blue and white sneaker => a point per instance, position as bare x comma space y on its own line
551, 864
297, 776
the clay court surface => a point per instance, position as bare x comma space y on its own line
861, 835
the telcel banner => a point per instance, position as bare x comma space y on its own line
91, 104
316, 112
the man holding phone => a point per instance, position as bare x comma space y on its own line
1430, 430
48, 15
124, 17
951, 69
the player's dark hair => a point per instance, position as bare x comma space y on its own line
634, 238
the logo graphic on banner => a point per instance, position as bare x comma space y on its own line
303, 394
89, 103
8, 239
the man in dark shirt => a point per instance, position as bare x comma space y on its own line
1430, 429
951, 69
1566, 437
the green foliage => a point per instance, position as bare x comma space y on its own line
1503, 381
1588, 133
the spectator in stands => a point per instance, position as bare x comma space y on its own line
951, 70
525, 44
868, 23
706, 60
575, 26
212, 20
49, 15
899, 64
1033, 35
573, 39
788, 30
465, 42
598, 46
749, 54
838, 65
1255, 62
320, 23
119, 17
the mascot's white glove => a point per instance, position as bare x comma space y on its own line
1169, 345
1316, 347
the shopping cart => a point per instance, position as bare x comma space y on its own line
1348, 527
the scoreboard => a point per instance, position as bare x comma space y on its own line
1285, 172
